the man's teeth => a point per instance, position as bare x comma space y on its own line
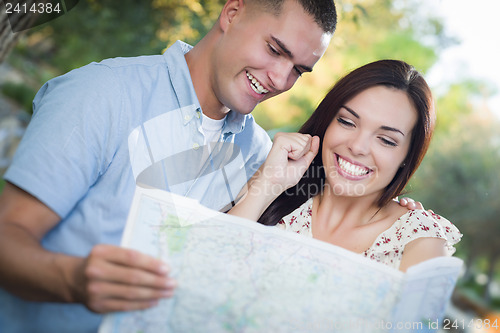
352, 169
256, 86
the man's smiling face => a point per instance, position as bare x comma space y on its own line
262, 55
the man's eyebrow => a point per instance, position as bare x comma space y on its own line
385, 128
289, 53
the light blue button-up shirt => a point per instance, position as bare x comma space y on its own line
98, 131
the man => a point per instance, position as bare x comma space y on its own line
179, 121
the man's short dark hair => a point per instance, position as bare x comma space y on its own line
323, 11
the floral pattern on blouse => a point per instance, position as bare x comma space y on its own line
388, 247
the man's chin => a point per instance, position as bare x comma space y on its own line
245, 109
244, 112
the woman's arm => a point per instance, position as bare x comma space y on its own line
422, 249
288, 160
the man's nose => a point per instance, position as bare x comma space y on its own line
280, 75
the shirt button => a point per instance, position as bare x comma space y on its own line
186, 118
196, 146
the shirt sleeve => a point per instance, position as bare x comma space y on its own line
68, 143
420, 223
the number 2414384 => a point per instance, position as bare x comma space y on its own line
476, 323
35, 8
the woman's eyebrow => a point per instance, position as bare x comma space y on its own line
351, 111
385, 128
392, 129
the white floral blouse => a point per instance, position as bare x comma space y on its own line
388, 246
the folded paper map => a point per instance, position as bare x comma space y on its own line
235, 275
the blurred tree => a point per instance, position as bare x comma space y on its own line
9, 24
189, 20
96, 30
458, 101
459, 177
367, 30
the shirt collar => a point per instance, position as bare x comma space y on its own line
235, 122
184, 89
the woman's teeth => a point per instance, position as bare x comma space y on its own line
256, 86
352, 169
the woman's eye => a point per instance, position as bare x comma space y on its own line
388, 142
345, 122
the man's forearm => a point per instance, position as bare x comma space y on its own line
33, 273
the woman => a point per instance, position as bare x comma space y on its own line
375, 126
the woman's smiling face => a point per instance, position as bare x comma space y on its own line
367, 141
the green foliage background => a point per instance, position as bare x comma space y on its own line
458, 178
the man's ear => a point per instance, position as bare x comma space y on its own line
230, 10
